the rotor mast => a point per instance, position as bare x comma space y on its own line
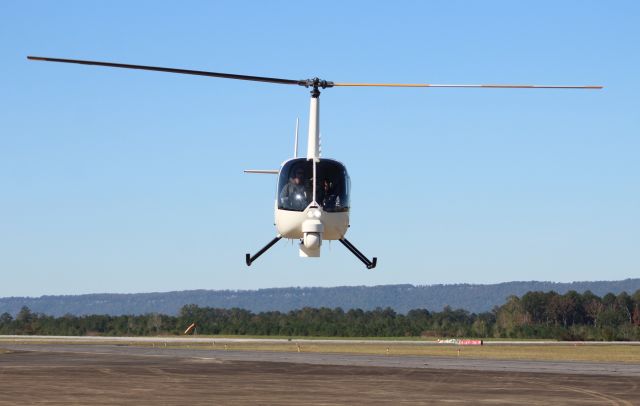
313, 141
314, 126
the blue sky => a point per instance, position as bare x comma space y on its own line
125, 181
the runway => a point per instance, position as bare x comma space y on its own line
117, 374
417, 362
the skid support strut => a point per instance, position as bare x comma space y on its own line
370, 264
264, 249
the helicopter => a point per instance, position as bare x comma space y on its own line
313, 193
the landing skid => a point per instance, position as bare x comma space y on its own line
250, 259
370, 264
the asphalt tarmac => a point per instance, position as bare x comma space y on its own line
117, 374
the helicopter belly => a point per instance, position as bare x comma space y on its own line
290, 224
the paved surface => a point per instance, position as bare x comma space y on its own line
422, 362
100, 375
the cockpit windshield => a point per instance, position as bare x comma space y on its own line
295, 188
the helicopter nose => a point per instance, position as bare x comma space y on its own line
314, 213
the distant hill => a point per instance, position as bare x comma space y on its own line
402, 298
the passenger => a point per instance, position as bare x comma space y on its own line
293, 195
330, 200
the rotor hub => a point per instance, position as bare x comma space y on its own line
315, 84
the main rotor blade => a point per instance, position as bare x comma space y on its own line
306, 83
172, 70
473, 86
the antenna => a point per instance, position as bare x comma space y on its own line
295, 144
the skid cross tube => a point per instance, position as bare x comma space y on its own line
370, 264
249, 259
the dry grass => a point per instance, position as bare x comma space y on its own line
579, 352
583, 352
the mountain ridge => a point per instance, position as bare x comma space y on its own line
401, 297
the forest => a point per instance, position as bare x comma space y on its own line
534, 315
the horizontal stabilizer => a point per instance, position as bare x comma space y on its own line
268, 171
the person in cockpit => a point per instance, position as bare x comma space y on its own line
330, 200
293, 195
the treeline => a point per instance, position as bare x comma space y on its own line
401, 298
571, 316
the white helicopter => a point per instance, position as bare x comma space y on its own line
312, 203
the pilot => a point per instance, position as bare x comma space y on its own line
293, 195
330, 200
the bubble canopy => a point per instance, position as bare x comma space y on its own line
295, 185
